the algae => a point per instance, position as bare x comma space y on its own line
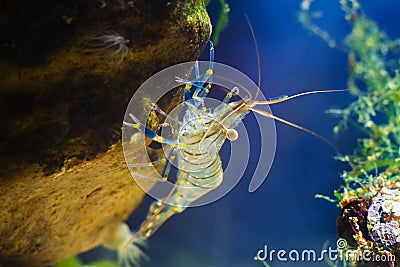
373, 165
374, 81
222, 21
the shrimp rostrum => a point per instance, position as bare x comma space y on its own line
192, 165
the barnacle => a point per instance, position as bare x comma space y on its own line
112, 43
372, 225
383, 218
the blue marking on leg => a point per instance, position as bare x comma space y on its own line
167, 167
211, 65
188, 95
196, 69
201, 82
148, 132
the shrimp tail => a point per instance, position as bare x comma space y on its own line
131, 253
129, 246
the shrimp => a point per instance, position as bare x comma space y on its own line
194, 148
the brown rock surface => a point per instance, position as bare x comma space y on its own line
63, 179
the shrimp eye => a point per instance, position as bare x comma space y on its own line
231, 134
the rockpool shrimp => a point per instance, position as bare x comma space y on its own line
193, 150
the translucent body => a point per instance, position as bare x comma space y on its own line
198, 133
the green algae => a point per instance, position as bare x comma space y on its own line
76, 262
222, 21
375, 82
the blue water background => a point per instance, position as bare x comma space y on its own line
283, 213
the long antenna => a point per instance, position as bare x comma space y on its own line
284, 98
269, 115
257, 53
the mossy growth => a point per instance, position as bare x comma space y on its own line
373, 166
222, 21
375, 81
76, 262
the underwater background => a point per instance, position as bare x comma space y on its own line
283, 213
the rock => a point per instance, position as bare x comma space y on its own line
63, 94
